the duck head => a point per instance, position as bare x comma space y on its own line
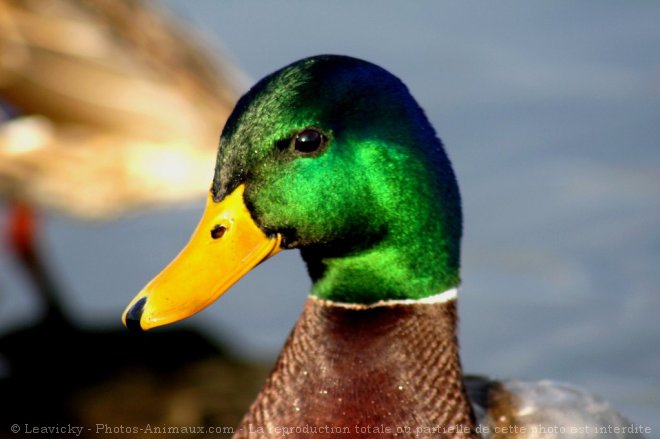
331, 155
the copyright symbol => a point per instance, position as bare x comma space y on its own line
15, 428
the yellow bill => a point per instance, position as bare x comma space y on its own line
225, 246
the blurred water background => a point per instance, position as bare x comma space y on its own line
550, 112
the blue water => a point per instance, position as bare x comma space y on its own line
550, 112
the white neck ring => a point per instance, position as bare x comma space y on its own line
445, 296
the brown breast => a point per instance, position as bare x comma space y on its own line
371, 372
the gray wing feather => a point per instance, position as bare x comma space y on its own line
546, 409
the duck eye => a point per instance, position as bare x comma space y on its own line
309, 140
218, 231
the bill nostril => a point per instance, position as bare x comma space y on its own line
218, 231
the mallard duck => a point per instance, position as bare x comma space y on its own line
106, 106
333, 156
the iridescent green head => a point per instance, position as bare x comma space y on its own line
338, 158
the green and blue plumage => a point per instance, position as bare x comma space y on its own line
376, 212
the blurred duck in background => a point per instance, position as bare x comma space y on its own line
105, 106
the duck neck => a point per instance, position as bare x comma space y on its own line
367, 371
416, 262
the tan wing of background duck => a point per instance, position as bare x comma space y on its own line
115, 106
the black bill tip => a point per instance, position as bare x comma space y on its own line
134, 315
